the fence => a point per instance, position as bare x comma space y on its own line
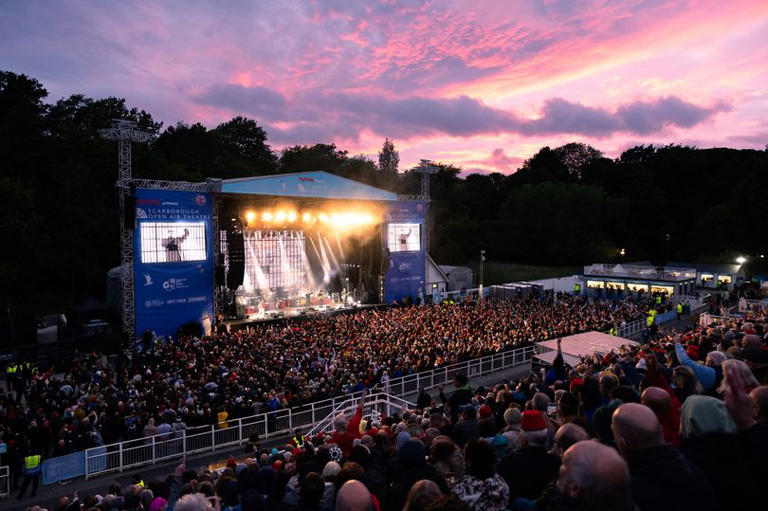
746, 305
374, 407
5, 483
145, 451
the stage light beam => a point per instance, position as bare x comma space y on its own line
250, 216
266, 216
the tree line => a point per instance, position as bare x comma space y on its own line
564, 206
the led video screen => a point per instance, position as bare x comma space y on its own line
404, 237
172, 242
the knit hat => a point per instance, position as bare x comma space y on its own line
485, 411
533, 420
336, 453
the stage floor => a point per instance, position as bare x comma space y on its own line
296, 313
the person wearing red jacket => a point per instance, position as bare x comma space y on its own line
346, 431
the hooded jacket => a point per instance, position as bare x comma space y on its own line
662, 479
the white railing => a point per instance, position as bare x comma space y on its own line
5, 483
707, 319
758, 306
150, 450
695, 301
374, 406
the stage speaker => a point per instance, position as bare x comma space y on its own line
129, 207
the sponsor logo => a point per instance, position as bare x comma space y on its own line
170, 203
307, 179
404, 267
200, 200
140, 213
173, 284
148, 202
147, 280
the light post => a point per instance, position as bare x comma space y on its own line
482, 260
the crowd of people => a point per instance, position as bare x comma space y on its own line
680, 422
173, 384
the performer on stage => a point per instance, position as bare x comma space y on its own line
403, 240
172, 246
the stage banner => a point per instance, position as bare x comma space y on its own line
404, 250
173, 260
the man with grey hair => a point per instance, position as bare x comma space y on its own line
354, 496
592, 477
193, 502
346, 431
529, 470
661, 477
567, 435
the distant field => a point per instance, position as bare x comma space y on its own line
500, 273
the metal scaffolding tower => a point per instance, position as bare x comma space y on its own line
426, 168
125, 132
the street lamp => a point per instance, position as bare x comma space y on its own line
741, 259
482, 260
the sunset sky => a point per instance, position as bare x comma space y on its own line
481, 84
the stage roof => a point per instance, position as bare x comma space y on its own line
317, 184
581, 345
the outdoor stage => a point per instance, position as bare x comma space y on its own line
297, 314
580, 345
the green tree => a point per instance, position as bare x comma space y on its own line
389, 159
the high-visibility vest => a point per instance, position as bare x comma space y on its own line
577, 287
10, 369
658, 299
299, 440
614, 331
679, 308
649, 321
140, 484
32, 464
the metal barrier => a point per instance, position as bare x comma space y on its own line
64, 467
5, 483
374, 406
145, 451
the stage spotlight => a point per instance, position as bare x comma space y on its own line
323, 217
250, 216
306, 217
280, 216
291, 216
266, 216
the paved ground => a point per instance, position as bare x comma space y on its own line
48, 495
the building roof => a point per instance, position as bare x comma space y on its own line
447, 269
723, 269
436, 267
318, 184
635, 271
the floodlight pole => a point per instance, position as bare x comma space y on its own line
426, 168
480, 287
125, 132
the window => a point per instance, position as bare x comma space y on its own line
707, 277
615, 285
595, 284
724, 279
663, 289
637, 287
172, 242
404, 237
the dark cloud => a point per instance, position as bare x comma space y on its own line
315, 116
257, 101
561, 116
644, 117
